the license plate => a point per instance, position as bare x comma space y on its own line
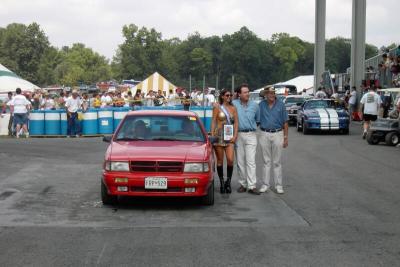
155, 183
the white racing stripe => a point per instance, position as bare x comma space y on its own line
324, 118
334, 118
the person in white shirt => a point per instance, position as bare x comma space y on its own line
369, 108
149, 99
173, 98
352, 101
19, 107
4, 110
47, 102
320, 94
73, 104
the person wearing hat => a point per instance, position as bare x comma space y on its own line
273, 137
47, 102
72, 105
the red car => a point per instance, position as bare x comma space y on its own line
158, 153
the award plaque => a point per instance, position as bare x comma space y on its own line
228, 132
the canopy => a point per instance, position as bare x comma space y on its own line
9, 81
155, 82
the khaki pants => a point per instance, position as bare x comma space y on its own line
246, 147
272, 146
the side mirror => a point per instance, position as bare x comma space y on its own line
107, 138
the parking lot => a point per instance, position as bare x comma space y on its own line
341, 207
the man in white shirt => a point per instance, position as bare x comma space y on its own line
352, 101
73, 104
320, 94
19, 107
370, 104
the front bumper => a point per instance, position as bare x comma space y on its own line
316, 125
176, 184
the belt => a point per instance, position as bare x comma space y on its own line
246, 131
271, 130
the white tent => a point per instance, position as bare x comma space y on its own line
9, 81
301, 82
155, 82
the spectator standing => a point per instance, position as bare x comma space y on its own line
4, 110
320, 94
137, 99
370, 104
246, 144
159, 99
73, 104
19, 108
47, 102
352, 101
149, 99
273, 137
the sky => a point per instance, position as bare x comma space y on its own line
98, 23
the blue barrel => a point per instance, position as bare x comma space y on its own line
105, 121
36, 122
63, 122
208, 118
119, 114
90, 124
52, 125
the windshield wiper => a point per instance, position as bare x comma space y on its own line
164, 139
130, 139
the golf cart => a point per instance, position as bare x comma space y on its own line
384, 130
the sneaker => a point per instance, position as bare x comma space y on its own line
364, 135
17, 135
279, 189
263, 188
27, 135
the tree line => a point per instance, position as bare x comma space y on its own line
26, 50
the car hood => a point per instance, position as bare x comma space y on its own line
325, 112
158, 150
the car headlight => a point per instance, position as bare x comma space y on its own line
118, 166
196, 167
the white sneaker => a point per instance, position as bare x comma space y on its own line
263, 188
27, 135
279, 189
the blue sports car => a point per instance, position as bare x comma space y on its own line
322, 114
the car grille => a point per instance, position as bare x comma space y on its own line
156, 166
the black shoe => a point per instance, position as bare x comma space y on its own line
364, 135
222, 189
228, 188
241, 189
254, 191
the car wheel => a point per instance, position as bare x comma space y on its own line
305, 129
372, 138
392, 139
106, 198
208, 199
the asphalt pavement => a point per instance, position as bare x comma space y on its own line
341, 207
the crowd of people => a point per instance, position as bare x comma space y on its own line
387, 73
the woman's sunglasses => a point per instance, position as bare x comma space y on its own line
228, 95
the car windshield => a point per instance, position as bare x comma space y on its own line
160, 128
319, 104
294, 100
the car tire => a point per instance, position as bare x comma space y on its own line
106, 198
392, 139
298, 127
208, 199
372, 139
305, 129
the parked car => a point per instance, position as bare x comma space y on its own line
384, 130
292, 104
322, 114
158, 153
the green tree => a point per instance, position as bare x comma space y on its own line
22, 48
